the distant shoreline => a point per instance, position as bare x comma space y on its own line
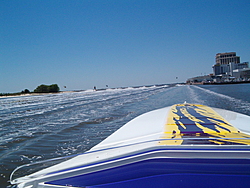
6, 95
218, 83
223, 83
31, 94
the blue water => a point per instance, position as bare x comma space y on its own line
34, 128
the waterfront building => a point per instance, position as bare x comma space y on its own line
201, 79
228, 66
226, 58
225, 63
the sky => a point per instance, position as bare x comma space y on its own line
85, 43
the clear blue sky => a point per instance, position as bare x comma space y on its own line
86, 43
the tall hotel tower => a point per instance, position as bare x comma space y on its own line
226, 63
226, 58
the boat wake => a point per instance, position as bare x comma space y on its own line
222, 101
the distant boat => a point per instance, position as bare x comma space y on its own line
184, 145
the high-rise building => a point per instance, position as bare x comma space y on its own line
228, 66
226, 63
226, 58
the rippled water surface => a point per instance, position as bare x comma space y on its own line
34, 128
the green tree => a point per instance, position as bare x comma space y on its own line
26, 91
42, 89
47, 88
54, 88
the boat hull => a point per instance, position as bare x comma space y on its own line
186, 145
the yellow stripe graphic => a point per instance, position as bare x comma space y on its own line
172, 131
198, 121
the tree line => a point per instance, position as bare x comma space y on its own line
47, 88
53, 88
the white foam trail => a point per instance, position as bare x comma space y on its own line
194, 96
218, 94
28, 106
240, 104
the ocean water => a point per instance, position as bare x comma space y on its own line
35, 128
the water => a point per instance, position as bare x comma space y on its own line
34, 128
